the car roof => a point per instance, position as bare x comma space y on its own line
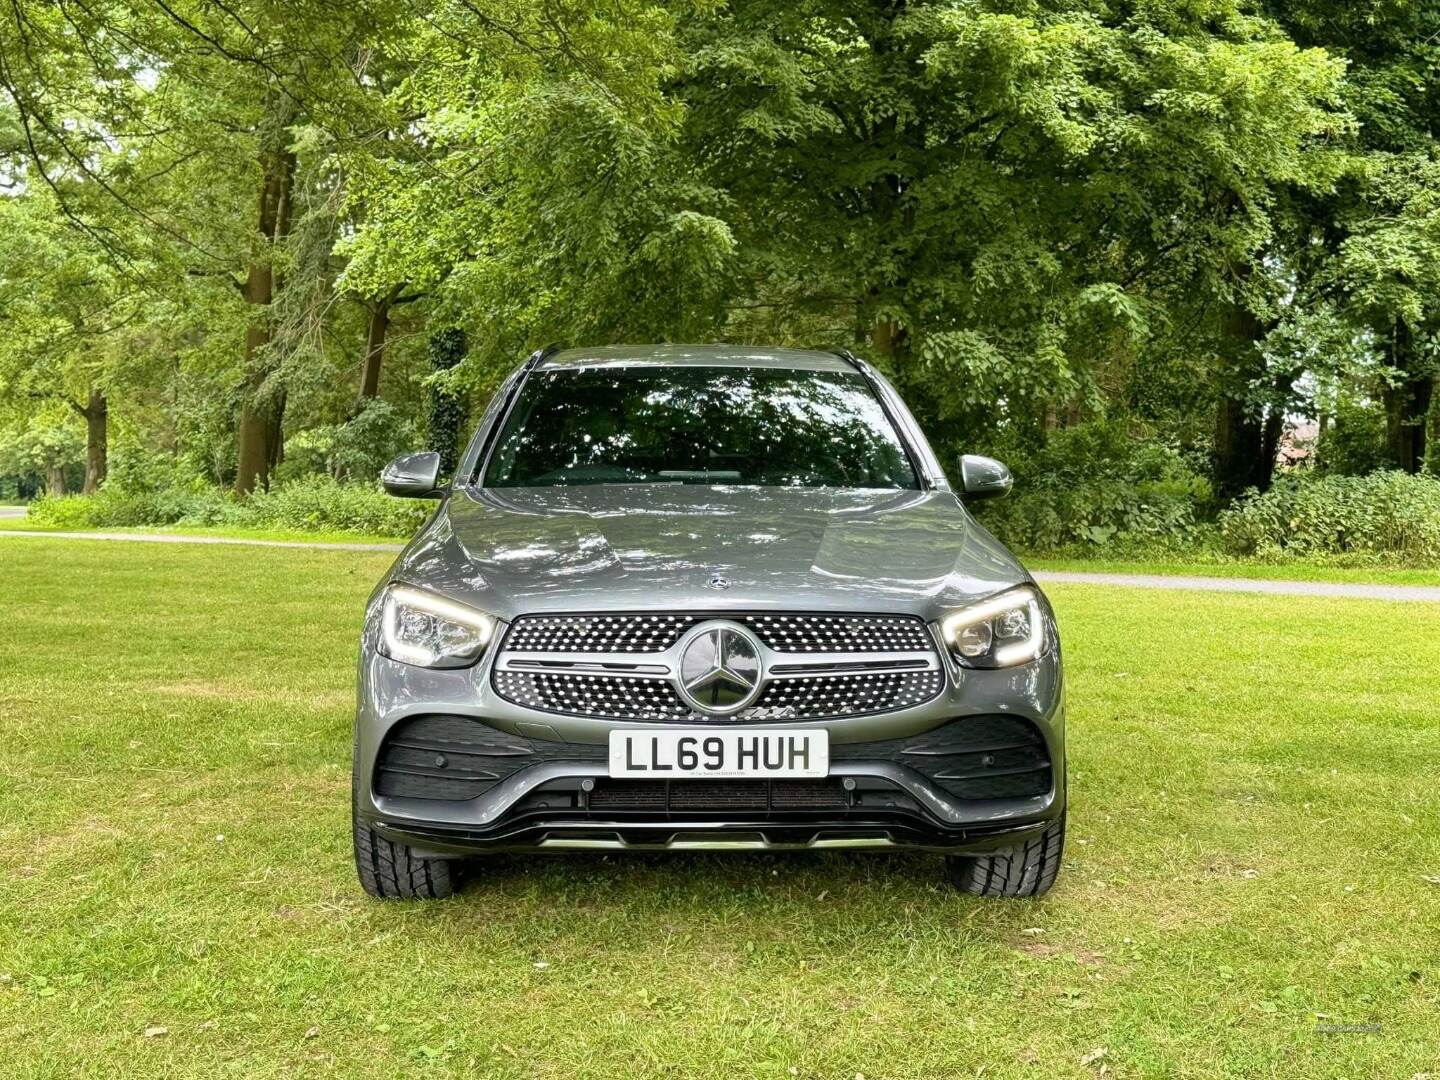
695, 356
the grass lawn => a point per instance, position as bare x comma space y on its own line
1254, 852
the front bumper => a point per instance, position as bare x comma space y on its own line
536, 779
450, 785
561, 835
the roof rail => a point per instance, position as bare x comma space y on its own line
851, 359
541, 354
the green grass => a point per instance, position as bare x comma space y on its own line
1255, 808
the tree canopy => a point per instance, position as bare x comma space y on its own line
233, 236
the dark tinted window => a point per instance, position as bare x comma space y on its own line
699, 425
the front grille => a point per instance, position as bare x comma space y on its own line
852, 695
833, 666
715, 796
656, 633
621, 696
597, 633
840, 633
634, 698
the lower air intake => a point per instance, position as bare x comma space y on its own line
716, 796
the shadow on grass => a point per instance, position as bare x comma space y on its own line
648, 869
868, 891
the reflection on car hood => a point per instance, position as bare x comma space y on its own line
630, 547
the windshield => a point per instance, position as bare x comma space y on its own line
774, 427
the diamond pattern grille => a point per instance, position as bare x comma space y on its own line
656, 633
638, 697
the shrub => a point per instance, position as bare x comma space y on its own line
1354, 441
114, 506
315, 504
356, 450
1383, 513
318, 504
1096, 484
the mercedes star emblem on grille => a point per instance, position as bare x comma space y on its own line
720, 668
718, 581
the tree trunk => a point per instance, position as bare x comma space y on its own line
252, 458
1271, 432
892, 341
275, 433
258, 433
97, 414
375, 333
1240, 436
55, 480
1407, 409
1239, 449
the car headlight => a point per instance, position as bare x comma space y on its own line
1003, 631
419, 627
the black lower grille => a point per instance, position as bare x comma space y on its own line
976, 757
717, 795
457, 757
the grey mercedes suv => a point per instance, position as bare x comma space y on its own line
705, 597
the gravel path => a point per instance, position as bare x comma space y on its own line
1348, 590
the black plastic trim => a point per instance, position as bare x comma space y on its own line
482, 459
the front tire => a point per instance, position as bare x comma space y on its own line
393, 871
1029, 869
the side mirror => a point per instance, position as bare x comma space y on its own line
983, 478
413, 476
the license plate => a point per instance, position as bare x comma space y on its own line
691, 752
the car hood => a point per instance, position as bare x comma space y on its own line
646, 547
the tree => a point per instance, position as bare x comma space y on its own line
60, 308
1380, 232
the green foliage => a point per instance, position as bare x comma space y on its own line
1353, 443
115, 507
41, 445
1097, 485
445, 408
1021, 212
355, 450
314, 504
1383, 514
321, 505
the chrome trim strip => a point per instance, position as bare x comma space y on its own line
759, 843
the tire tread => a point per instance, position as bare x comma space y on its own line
1028, 869
393, 871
